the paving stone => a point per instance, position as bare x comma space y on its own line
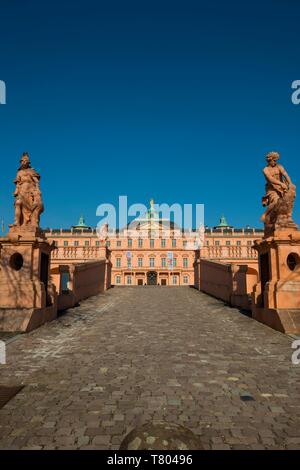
101, 440
134, 355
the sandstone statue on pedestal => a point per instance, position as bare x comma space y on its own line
280, 196
27, 295
276, 297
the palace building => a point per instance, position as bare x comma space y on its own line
153, 250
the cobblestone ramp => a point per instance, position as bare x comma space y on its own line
136, 354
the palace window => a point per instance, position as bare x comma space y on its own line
207, 242
108, 243
66, 243
249, 242
76, 243
173, 242
119, 243
185, 279
86, 243
129, 280
118, 262
238, 242
174, 262
140, 242
163, 243
151, 262
185, 262
228, 243
97, 242
118, 279
184, 243
163, 262
129, 265
65, 282
129, 242
174, 280
140, 262
217, 243
151, 243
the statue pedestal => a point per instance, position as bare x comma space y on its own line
276, 297
27, 297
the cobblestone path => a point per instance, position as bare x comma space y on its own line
134, 354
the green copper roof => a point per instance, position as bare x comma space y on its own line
81, 223
223, 222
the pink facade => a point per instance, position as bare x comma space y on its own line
155, 252
162, 261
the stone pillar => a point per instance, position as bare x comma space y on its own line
108, 266
27, 296
105, 253
276, 296
197, 267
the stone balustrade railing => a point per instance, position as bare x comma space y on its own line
82, 253
228, 252
77, 253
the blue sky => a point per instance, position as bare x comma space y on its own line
179, 101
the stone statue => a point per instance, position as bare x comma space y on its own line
102, 233
28, 197
279, 198
201, 236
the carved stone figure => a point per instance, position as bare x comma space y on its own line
28, 197
201, 236
102, 233
279, 198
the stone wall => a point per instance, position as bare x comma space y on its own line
229, 282
76, 282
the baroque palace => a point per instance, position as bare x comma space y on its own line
154, 251
43, 272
